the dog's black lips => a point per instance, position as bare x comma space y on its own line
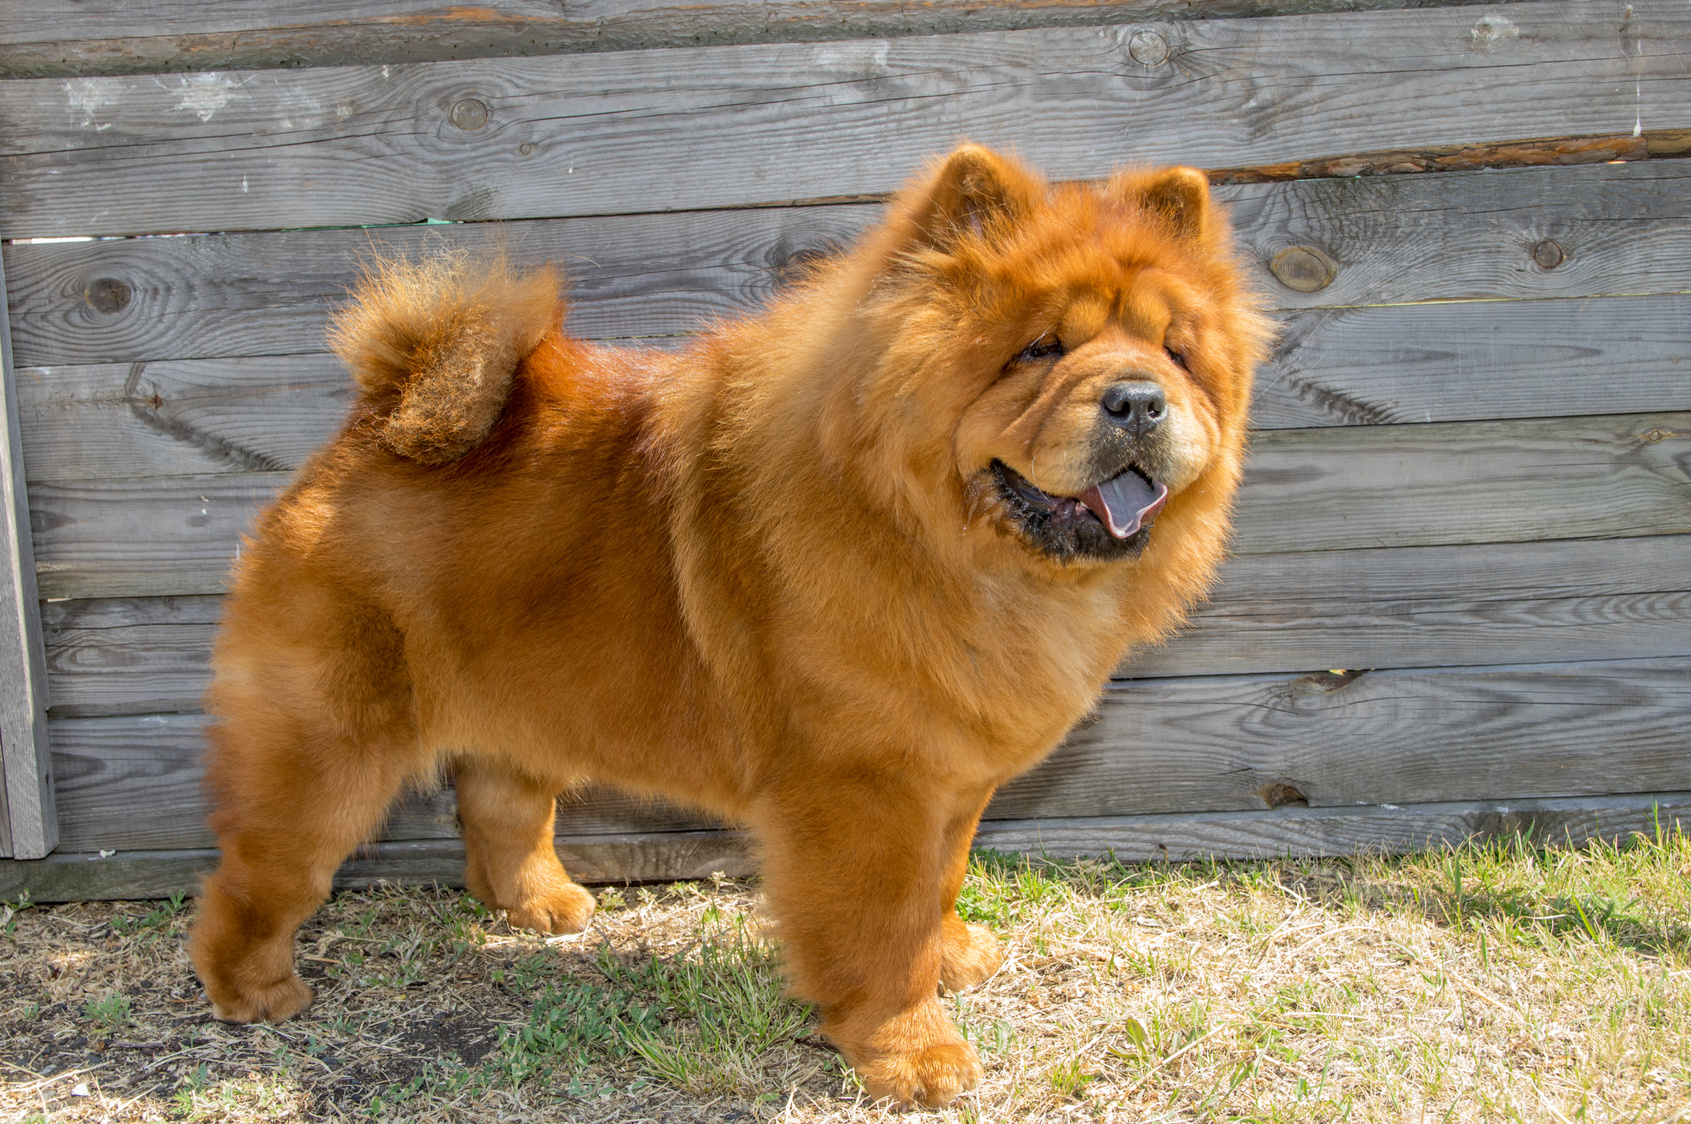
1062, 527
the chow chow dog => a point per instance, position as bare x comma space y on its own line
835, 572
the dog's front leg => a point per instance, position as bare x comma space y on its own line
859, 868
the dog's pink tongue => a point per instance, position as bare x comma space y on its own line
1124, 503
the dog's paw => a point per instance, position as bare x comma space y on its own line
271, 1003
929, 1077
561, 908
916, 1058
969, 954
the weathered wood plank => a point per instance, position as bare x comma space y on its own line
1314, 489
26, 767
130, 300
134, 783
122, 538
1623, 229
1476, 360
1442, 606
1163, 745
1131, 839
1387, 737
147, 655
68, 38
654, 130
659, 857
1401, 363
1336, 831
259, 414
1466, 482
1439, 606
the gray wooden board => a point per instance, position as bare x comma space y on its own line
1474, 360
135, 782
593, 859
137, 656
1341, 831
1400, 363
1305, 489
271, 294
26, 773
1160, 745
1625, 229
1437, 606
1128, 839
1409, 736
717, 126
66, 38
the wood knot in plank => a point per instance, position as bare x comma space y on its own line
1280, 795
1549, 254
107, 294
1303, 269
469, 114
1147, 47
1325, 682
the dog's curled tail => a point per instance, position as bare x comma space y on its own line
434, 345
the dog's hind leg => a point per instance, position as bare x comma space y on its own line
509, 861
314, 738
282, 833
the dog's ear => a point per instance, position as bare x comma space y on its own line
1180, 196
974, 191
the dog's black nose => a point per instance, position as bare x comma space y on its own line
1135, 406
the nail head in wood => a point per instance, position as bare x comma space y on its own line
469, 114
1148, 48
1304, 269
525, 149
107, 295
1548, 254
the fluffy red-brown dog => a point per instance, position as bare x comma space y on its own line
835, 572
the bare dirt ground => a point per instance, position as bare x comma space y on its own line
1505, 982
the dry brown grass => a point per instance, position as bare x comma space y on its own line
1496, 982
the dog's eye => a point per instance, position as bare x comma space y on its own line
1045, 347
1176, 357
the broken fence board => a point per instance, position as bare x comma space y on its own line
1623, 229
1304, 832
1442, 606
1310, 489
724, 126
1163, 745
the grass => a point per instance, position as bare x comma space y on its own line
1494, 982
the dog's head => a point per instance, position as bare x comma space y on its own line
1083, 353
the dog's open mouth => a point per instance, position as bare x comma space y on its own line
1121, 506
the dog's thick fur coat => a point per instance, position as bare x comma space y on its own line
835, 572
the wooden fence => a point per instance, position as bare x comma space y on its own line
1461, 597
